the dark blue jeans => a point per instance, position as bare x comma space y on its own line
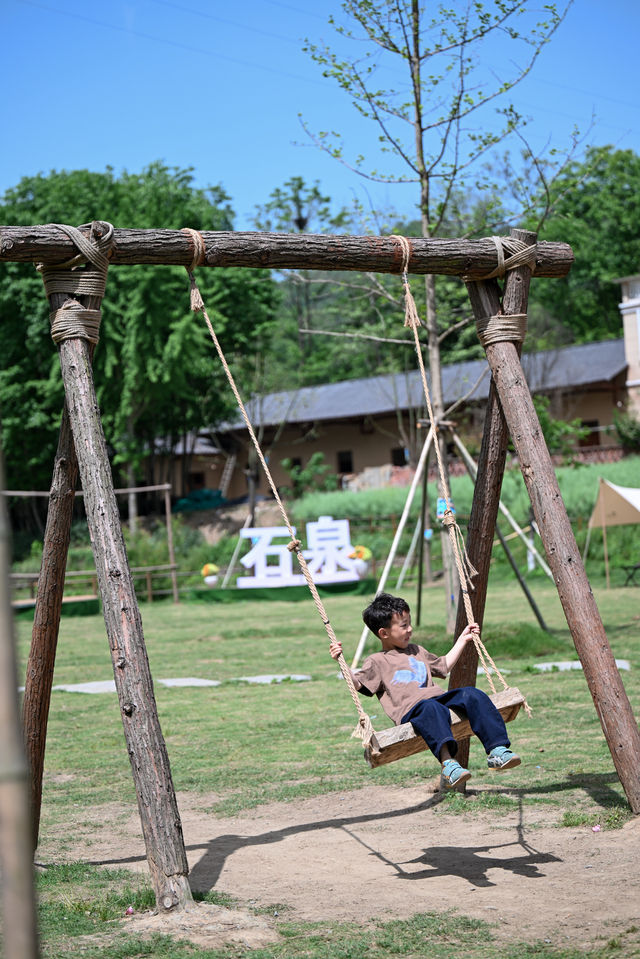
430, 719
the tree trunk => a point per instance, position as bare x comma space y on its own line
437, 403
157, 804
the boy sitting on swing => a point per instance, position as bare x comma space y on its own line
401, 677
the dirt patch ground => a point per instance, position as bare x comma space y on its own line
386, 853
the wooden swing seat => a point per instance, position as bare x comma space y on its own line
400, 741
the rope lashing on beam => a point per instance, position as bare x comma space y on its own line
517, 254
199, 249
500, 328
465, 569
84, 275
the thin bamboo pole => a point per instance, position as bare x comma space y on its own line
472, 469
396, 539
172, 552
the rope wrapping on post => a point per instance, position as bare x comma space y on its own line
502, 329
364, 729
83, 275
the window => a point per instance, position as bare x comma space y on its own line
593, 436
345, 461
196, 481
399, 456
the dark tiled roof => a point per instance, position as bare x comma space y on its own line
573, 367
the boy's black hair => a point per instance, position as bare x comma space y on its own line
379, 613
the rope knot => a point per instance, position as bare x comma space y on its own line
294, 546
199, 249
195, 297
517, 254
84, 275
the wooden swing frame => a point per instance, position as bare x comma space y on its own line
82, 448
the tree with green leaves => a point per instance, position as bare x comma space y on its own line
155, 368
444, 114
595, 207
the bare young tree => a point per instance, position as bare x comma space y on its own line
456, 66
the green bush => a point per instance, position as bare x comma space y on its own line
628, 430
316, 475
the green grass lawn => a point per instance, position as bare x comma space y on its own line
301, 732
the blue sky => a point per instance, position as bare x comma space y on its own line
219, 87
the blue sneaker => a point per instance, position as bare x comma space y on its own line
502, 758
454, 774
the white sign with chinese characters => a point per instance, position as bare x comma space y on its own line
327, 555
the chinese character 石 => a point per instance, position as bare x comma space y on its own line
272, 562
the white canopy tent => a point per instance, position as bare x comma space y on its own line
615, 506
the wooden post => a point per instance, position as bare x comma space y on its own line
157, 804
16, 853
172, 553
46, 618
161, 826
472, 470
582, 615
485, 301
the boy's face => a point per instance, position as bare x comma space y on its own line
398, 634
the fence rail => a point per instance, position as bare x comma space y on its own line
21, 582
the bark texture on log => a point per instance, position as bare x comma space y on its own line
157, 804
485, 301
377, 254
582, 615
46, 619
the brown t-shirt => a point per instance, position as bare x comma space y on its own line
400, 678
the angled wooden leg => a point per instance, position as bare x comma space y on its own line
46, 620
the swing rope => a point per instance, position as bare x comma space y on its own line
465, 569
364, 729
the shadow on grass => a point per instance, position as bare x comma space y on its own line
595, 785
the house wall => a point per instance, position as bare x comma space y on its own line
344, 443
376, 443
630, 310
596, 408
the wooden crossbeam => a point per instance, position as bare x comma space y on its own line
472, 259
401, 741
